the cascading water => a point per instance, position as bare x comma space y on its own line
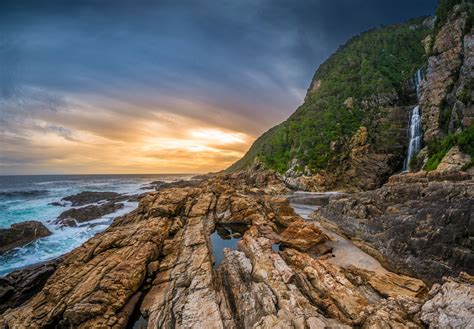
414, 128
414, 135
417, 80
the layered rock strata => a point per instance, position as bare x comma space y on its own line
157, 261
446, 92
18, 286
418, 224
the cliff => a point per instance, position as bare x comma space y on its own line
447, 90
351, 129
350, 133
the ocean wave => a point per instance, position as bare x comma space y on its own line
63, 240
23, 193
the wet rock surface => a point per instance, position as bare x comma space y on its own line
74, 216
158, 261
21, 234
88, 197
158, 185
420, 224
17, 287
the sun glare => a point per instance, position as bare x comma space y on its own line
217, 136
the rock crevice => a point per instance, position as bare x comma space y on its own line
158, 260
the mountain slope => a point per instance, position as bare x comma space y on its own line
361, 82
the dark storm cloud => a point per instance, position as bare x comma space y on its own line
240, 65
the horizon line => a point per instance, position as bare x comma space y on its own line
109, 174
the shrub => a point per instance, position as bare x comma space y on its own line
438, 148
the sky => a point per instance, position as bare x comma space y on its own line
116, 86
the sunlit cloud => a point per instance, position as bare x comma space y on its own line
158, 86
217, 136
86, 138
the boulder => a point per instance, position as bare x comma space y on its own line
21, 234
454, 160
451, 304
80, 215
88, 197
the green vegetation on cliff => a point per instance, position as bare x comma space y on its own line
346, 92
445, 8
438, 148
453, 129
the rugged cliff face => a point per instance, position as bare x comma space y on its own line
419, 224
447, 90
351, 129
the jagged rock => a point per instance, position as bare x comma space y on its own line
88, 197
297, 168
80, 215
162, 251
248, 300
400, 312
464, 90
420, 228
265, 181
21, 234
451, 305
19, 286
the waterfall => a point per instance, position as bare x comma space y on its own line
417, 80
414, 136
414, 127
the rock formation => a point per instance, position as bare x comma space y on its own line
74, 216
21, 234
88, 197
454, 160
420, 223
17, 287
158, 261
446, 92
451, 304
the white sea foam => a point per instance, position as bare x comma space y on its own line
62, 240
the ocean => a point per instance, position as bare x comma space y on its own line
24, 198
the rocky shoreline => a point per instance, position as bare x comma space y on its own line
158, 262
85, 207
